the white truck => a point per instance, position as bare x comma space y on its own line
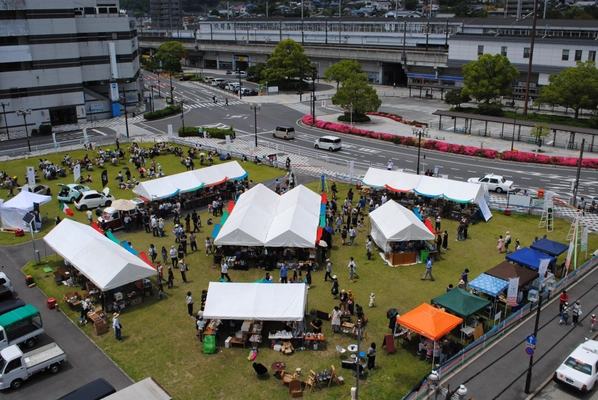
20, 326
16, 367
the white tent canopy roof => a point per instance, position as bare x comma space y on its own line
263, 218
258, 301
13, 211
461, 192
391, 222
188, 181
102, 261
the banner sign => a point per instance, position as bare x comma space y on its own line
512, 291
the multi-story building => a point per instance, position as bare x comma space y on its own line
65, 61
166, 14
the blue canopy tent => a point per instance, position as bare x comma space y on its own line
529, 258
550, 247
488, 285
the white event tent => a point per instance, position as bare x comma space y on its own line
391, 222
427, 186
262, 302
13, 211
189, 181
102, 261
263, 218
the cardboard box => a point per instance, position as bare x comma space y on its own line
100, 327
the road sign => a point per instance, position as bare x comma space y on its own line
529, 350
323, 103
530, 340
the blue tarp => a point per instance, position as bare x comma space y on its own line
488, 285
529, 258
550, 247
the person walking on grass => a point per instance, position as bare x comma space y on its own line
500, 244
170, 281
183, 267
371, 356
352, 270
428, 270
208, 246
368, 247
352, 235
507, 242
328, 270
445, 240
116, 326
224, 270
189, 301
173, 256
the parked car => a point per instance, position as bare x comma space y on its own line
218, 81
241, 74
222, 85
37, 189
233, 86
94, 199
495, 183
4, 280
579, 368
71, 192
94, 390
21, 326
249, 92
186, 77
329, 143
9, 305
18, 367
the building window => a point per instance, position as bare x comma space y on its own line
526, 52
480, 50
503, 51
578, 55
592, 55
565, 56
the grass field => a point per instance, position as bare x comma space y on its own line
159, 338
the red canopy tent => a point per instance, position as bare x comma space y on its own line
429, 321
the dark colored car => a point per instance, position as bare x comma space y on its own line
94, 390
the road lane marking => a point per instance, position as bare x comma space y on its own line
100, 132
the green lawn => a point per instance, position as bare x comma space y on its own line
159, 338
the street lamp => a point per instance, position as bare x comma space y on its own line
514, 123
255, 108
24, 112
419, 147
152, 99
240, 87
4, 104
171, 89
159, 71
183, 115
123, 100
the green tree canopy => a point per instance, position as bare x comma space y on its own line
573, 87
355, 92
341, 71
255, 72
170, 53
288, 60
456, 97
540, 131
489, 77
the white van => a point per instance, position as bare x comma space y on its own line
329, 143
218, 81
284, 132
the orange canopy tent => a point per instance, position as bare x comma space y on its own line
429, 321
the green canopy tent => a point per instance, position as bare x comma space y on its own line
461, 303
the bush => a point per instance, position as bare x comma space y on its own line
356, 117
45, 129
217, 133
593, 122
493, 109
165, 112
34, 132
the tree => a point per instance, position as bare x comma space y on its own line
540, 131
489, 77
170, 53
342, 70
357, 94
255, 73
456, 97
287, 61
573, 87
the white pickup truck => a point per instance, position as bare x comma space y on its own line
16, 367
20, 326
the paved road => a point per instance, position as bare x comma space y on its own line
85, 362
500, 371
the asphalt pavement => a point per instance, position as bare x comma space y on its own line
85, 361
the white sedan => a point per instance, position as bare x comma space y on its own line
579, 369
495, 183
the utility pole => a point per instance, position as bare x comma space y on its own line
531, 57
4, 104
576, 187
24, 112
123, 99
528, 378
255, 108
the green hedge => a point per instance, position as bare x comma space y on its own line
217, 133
165, 112
45, 129
356, 118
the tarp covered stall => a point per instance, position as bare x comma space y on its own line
506, 270
427, 186
550, 247
529, 258
242, 301
461, 302
391, 222
429, 321
147, 389
263, 218
13, 211
102, 261
488, 285
168, 186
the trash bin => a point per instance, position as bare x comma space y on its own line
423, 255
51, 303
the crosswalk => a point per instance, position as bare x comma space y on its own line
210, 104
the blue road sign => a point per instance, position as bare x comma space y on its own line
530, 351
530, 340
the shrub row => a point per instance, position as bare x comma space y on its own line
165, 112
517, 156
217, 133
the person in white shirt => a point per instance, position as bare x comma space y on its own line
389, 165
224, 270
